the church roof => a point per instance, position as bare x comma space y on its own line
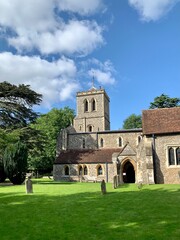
86, 156
161, 121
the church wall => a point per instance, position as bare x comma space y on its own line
82, 124
111, 140
108, 172
145, 166
75, 141
163, 172
141, 174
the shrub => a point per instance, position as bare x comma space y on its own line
15, 162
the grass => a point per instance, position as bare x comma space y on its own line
79, 211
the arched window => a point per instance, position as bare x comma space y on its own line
171, 156
93, 105
120, 142
85, 170
90, 128
66, 170
178, 156
85, 105
139, 139
102, 142
80, 170
83, 143
99, 171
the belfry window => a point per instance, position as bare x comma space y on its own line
85, 106
93, 105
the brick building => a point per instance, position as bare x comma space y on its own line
89, 150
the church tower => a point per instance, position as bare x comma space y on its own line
92, 111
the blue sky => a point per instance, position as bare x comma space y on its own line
131, 47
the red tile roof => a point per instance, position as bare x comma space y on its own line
160, 121
86, 156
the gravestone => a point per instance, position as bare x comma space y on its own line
28, 184
140, 185
115, 182
103, 187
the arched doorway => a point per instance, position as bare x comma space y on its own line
128, 173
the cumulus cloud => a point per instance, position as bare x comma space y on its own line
55, 80
38, 28
82, 7
38, 25
152, 10
102, 72
80, 37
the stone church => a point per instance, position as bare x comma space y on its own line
90, 151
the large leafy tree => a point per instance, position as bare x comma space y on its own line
16, 104
164, 101
133, 121
49, 125
16, 114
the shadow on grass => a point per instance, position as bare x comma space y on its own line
53, 182
80, 211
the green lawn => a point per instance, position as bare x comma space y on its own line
60, 211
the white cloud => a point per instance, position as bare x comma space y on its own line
55, 80
102, 72
36, 25
31, 14
102, 77
152, 9
80, 37
83, 7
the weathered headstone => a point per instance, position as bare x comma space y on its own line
29, 185
118, 180
114, 182
140, 185
103, 187
80, 178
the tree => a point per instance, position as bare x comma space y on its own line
49, 125
16, 105
133, 121
16, 114
15, 162
5, 139
164, 101
2, 172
